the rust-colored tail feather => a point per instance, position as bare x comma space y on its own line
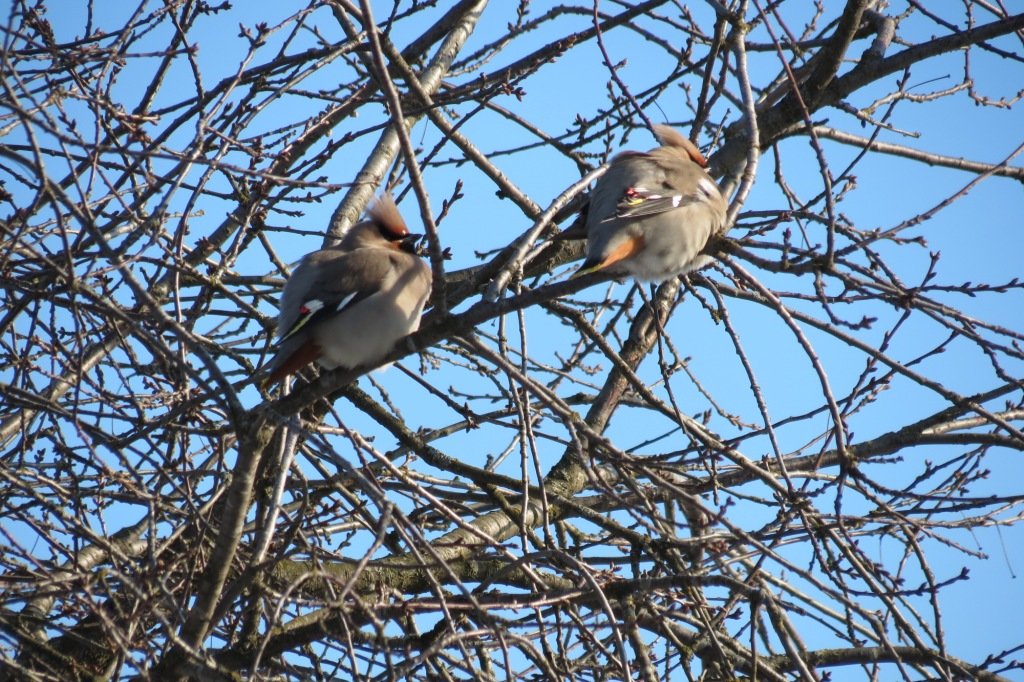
631, 246
303, 355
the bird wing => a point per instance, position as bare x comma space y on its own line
639, 201
648, 183
338, 285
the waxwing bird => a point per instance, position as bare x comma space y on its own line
347, 305
652, 212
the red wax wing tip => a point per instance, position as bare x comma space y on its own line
311, 306
306, 312
632, 197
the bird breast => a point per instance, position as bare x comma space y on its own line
367, 331
672, 243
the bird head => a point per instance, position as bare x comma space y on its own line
670, 137
384, 227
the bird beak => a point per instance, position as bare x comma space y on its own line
414, 244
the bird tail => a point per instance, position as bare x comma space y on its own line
288, 361
586, 268
630, 246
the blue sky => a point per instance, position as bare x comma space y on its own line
978, 236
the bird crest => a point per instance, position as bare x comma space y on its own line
384, 214
670, 137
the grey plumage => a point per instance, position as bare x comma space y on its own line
347, 305
653, 212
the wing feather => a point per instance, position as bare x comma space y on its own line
639, 201
339, 281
